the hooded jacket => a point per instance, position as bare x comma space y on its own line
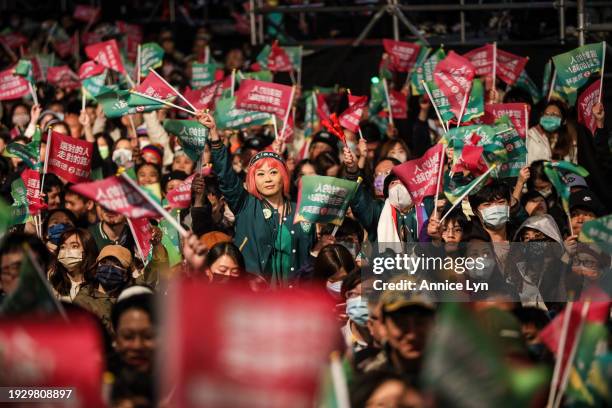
545, 224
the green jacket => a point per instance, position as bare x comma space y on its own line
254, 232
98, 303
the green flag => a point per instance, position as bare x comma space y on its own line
19, 209
553, 172
115, 104
576, 66
24, 69
33, 293
525, 83
202, 74
294, 54
311, 119
474, 108
424, 71
151, 56
96, 85
324, 199
559, 92
228, 116
28, 155
599, 232
515, 151
191, 134
265, 76
171, 239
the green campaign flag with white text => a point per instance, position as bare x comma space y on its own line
324, 199
24, 69
424, 71
191, 134
474, 108
576, 66
151, 56
115, 104
228, 116
598, 231
515, 149
559, 92
265, 76
202, 74
96, 85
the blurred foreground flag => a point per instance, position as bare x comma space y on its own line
246, 350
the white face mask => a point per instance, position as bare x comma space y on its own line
401, 157
21, 119
122, 156
495, 216
70, 258
334, 288
399, 197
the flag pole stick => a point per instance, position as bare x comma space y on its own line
526, 120
408, 77
275, 127
494, 64
603, 63
133, 231
559, 356
388, 100
552, 84
173, 89
286, 118
480, 178
299, 73
33, 93
233, 82
83, 99
292, 77
463, 106
138, 57
438, 182
206, 54
433, 102
163, 102
132, 126
568, 368
156, 205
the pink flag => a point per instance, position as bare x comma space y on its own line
86, 14
180, 197
278, 59
31, 181
202, 98
454, 75
263, 97
482, 60
63, 77
69, 158
155, 87
13, 40
402, 55
287, 135
141, 230
106, 54
66, 48
133, 37
322, 109
399, 104
587, 99
509, 66
37, 70
116, 194
517, 112
420, 176
350, 118
12, 86
89, 69
277, 365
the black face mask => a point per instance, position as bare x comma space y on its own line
111, 277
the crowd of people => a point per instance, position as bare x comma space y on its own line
241, 229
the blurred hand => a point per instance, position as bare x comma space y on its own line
434, 229
84, 119
524, 175
156, 235
349, 160
391, 131
35, 113
599, 114
323, 241
571, 243
194, 251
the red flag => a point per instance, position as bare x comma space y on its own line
12, 86
34, 355
202, 98
517, 112
277, 365
509, 66
278, 59
37, 70
155, 87
69, 158
587, 99
263, 97
482, 60
420, 176
31, 181
333, 126
399, 104
402, 55
116, 194
180, 197
287, 135
350, 118
141, 230
86, 14
454, 75
66, 48
471, 160
63, 77
13, 40
133, 37
323, 111
106, 54
89, 69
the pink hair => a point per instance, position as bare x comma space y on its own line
272, 163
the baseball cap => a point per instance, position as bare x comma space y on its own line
327, 138
257, 142
134, 291
395, 300
120, 253
587, 200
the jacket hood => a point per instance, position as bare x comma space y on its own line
543, 223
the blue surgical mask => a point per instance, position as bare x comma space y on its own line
550, 123
357, 310
110, 277
495, 216
333, 288
56, 231
379, 184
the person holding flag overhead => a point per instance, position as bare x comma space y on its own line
271, 244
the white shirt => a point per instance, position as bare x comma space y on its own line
538, 147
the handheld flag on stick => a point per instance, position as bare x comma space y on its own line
333, 126
468, 189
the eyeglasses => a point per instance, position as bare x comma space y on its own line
587, 263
